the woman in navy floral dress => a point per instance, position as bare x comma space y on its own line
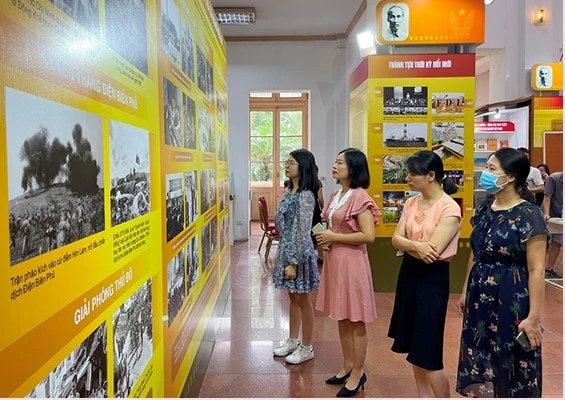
297, 267
504, 288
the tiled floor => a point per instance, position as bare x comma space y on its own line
255, 319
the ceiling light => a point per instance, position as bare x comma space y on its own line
489, 2
497, 114
235, 15
365, 40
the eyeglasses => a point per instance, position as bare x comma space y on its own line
290, 162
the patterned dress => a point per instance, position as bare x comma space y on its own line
294, 222
491, 363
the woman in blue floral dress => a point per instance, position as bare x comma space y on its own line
297, 270
504, 288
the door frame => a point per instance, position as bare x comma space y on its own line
276, 104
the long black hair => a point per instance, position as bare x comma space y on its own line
514, 162
307, 169
425, 161
358, 168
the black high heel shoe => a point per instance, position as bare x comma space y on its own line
334, 380
345, 392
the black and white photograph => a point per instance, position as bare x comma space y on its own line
174, 202
223, 141
448, 103
55, 174
544, 76
126, 30
170, 20
187, 50
133, 339
205, 72
207, 130
405, 100
394, 169
189, 118
175, 285
85, 12
225, 231
224, 188
190, 197
207, 189
405, 135
172, 111
130, 194
209, 242
83, 373
192, 272
395, 22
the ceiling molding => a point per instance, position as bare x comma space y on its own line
356, 18
303, 38
285, 38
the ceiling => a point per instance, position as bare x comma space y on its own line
293, 18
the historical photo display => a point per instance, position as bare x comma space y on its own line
126, 30
190, 197
189, 119
187, 50
209, 241
170, 19
207, 130
83, 373
133, 339
55, 177
405, 100
172, 113
176, 292
405, 135
207, 189
174, 202
129, 172
192, 271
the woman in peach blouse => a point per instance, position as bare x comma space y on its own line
427, 234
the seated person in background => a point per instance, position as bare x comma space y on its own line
553, 208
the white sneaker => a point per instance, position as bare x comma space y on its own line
287, 347
300, 355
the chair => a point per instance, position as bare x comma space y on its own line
269, 230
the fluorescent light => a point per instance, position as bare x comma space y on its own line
489, 2
365, 40
235, 15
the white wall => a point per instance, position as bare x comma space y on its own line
318, 67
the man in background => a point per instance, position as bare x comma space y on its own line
553, 208
534, 181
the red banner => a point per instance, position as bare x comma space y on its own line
495, 126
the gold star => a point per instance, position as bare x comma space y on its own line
461, 12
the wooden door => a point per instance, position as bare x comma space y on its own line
553, 150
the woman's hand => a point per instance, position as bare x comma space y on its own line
290, 271
427, 252
324, 239
461, 304
533, 331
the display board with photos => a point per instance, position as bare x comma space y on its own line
114, 141
410, 109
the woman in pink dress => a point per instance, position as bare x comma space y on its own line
346, 286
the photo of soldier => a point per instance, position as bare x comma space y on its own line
207, 189
190, 197
130, 193
187, 50
189, 122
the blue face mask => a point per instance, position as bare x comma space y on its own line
488, 182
